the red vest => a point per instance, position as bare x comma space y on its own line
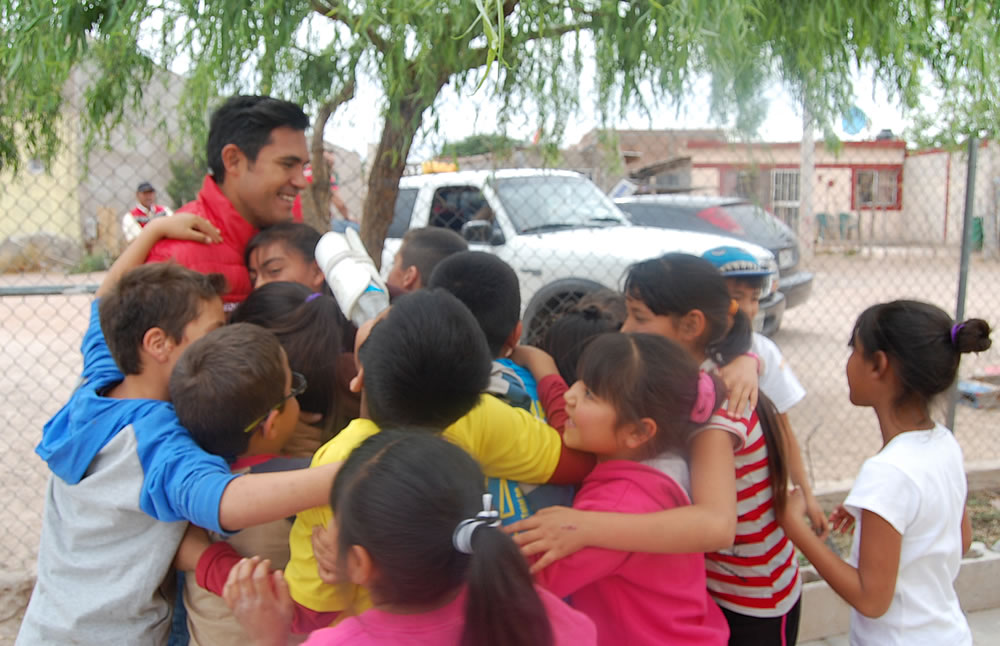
143, 217
226, 257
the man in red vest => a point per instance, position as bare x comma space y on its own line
256, 154
145, 210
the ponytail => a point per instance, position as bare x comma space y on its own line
775, 440
498, 577
736, 341
414, 502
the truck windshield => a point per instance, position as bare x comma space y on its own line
549, 202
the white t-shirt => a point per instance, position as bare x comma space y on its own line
917, 484
778, 382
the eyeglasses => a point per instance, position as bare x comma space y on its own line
299, 385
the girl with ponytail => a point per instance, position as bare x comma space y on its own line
738, 474
417, 530
907, 504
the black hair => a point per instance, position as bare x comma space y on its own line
223, 382
164, 295
488, 286
922, 343
425, 247
646, 375
296, 235
400, 495
426, 363
569, 334
308, 325
247, 121
677, 283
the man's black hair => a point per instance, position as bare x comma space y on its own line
426, 363
247, 121
488, 286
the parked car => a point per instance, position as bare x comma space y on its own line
559, 232
732, 217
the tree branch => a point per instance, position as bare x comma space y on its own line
475, 57
335, 10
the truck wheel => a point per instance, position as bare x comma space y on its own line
550, 303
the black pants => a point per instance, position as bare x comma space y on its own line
745, 630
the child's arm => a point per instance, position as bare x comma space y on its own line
551, 386
258, 498
707, 525
966, 530
870, 586
797, 473
182, 226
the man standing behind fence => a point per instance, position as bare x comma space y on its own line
256, 154
145, 210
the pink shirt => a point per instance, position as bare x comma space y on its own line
443, 627
634, 598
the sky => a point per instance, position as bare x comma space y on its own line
460, 113
463, 113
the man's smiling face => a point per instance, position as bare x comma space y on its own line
266, 188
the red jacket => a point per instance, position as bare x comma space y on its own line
225, 258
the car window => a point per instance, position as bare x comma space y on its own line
453, 206
547, 202
402, 212
667, 215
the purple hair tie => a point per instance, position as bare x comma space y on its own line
312, 297
955, 329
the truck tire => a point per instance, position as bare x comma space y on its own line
551, 301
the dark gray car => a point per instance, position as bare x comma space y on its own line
737, 218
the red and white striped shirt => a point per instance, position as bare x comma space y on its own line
759, 575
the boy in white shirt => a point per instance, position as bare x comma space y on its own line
745, 279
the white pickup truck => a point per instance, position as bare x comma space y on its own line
558, 231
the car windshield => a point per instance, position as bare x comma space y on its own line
551, 202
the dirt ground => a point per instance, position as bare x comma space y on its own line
40, 336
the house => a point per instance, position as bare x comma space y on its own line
80, 195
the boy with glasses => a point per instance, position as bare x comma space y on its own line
235, 393
125, 474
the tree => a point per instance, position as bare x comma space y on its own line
527, 52
479, 144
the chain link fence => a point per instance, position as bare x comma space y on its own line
871, 221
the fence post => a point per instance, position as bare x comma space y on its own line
963, 265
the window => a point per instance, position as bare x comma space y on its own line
453, 206
785, 195
876, 189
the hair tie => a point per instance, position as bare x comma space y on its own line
734, 306
704, 403
311, 297
955, 329
461, 538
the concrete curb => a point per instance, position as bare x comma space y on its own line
824, 614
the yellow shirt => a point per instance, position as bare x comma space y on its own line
507, 442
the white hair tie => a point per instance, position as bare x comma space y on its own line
461, 538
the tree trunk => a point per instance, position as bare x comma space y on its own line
401, 123
316, 197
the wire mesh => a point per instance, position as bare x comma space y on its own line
880, 220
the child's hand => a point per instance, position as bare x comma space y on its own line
324, 544
841, 520
260, 601
537, 361
792, 516
186, 226
817, 519
741, 379
192, 546
553, 532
